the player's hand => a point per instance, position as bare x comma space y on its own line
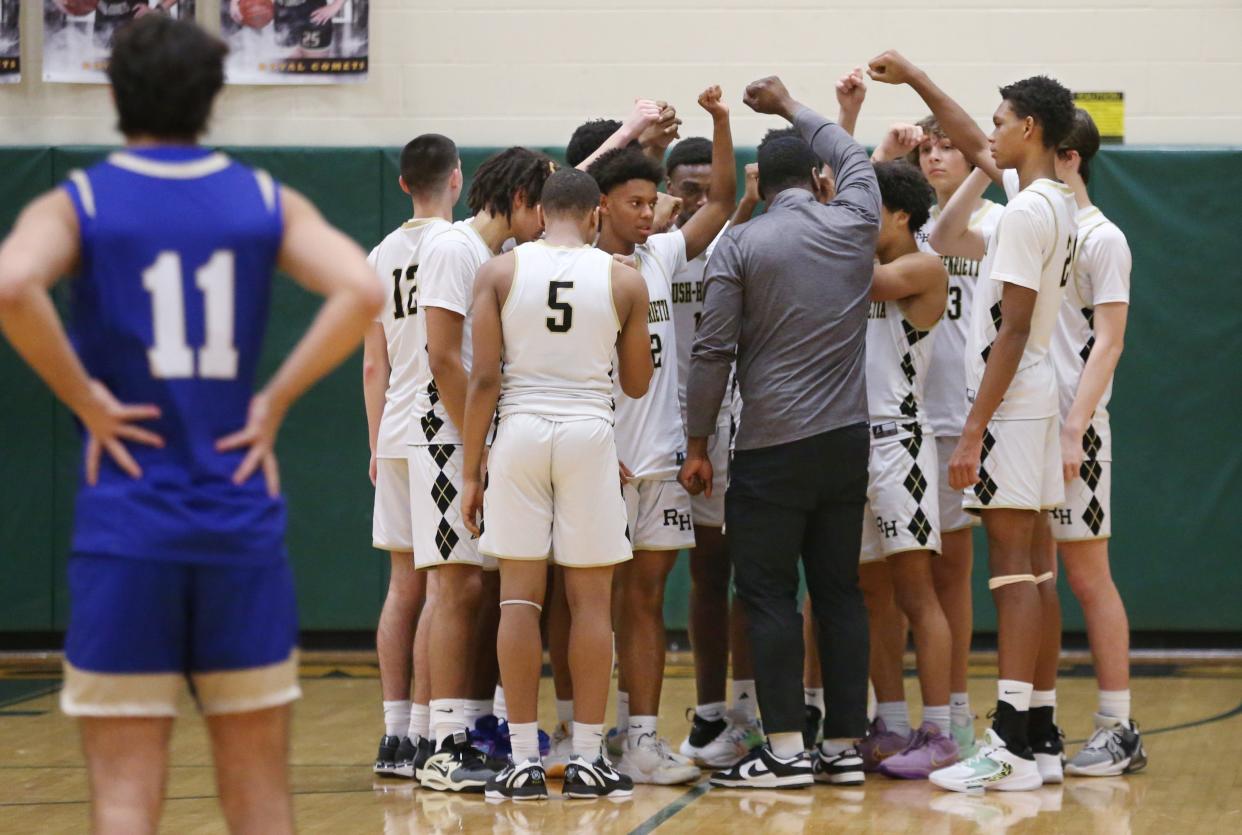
142, 11
372, 469
259, 437
899, 140
235, 11
661, 133
667, 209
108, 422
472, 506
891, 67
1071, 453
825, 184
627, 475
965, 462
628, 260
769, 95
851, 91
696, 476
321, 16
712, 100
751, 195
645, 113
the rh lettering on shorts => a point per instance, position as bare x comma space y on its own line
1062, 515
673, 519
887, 529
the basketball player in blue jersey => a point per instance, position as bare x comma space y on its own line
178, 568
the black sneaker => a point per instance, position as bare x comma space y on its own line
810, 734
844, 769
406, 752
456, 767
524, 781
386, 759
761, 769
597, 779
423, 751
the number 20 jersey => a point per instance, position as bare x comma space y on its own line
170, 304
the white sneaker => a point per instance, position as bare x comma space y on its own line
650, 761
727, 748
561, 751
995, 767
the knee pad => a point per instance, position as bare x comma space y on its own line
519, 602
1010, 579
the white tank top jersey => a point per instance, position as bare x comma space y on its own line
1033, 247
898, 356
1101, 275
395, 260
688, 293
559, 325
945, 390
651, 438
446, 281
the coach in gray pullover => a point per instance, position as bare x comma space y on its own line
786, 297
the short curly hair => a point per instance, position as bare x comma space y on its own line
693, 150
621, 165
503, 176
1045, 99
588, 137
903, 189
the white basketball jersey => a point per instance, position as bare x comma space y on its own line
1101, 275
447, 281
688, 293
898, 355
395, 260
945, 391
559, 326
651, 438
1033, 247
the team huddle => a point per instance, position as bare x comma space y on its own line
563, 392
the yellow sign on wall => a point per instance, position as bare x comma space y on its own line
1109, 112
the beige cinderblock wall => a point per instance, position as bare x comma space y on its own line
497, 72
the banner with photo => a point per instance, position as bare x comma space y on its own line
10, 42
78, 34
295, 41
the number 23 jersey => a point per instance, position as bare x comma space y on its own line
170, 305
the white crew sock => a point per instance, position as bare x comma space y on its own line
713, 712
814, 696
565, 710
745, 703
959, 708
640, 727
833, 747
896, 716
587, 740
1044, 698
498, 704
623, 710
1115, 703
938, 716
1016, 694
448, 716
420, 722
786, 745
524, 737
476, 708
396, 717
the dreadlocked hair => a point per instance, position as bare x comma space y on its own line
502, 177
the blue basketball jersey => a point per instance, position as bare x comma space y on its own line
169, 307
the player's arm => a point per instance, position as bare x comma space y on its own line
892, 67
629, 294
375, 372
750, 196
711, 359
919, 280
851, 92
445, 329
42, 247
645, 113
1110, 331
484, 386
707, 222
324, 261
899, 140
952, 234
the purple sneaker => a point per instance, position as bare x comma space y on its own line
929, 749
880, 744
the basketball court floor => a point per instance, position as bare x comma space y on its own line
1190, 710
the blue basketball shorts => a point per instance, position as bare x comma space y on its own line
138, 629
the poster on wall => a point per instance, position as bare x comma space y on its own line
78, 34
295, 41
10, 42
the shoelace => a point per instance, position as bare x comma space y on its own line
1109, 740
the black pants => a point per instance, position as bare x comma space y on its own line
803, 500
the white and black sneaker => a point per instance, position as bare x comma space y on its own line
522, 781
761, 769
844, 769
1115, 748
386, 759
597, 779
457, 767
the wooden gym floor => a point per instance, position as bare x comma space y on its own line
1190, 710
